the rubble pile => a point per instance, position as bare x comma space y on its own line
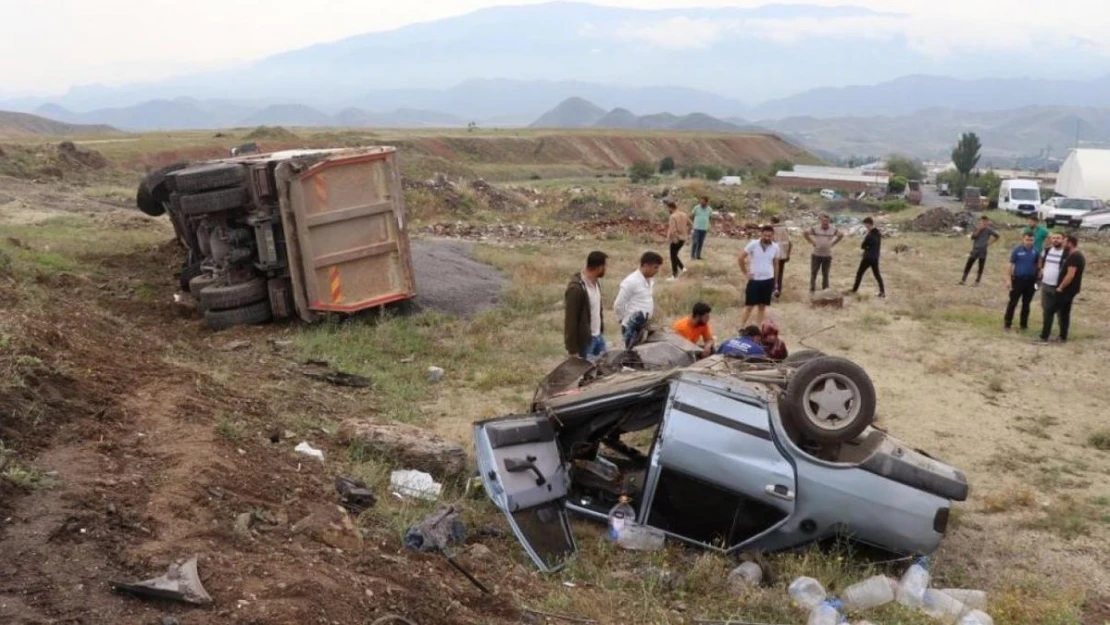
497, 232
941, 220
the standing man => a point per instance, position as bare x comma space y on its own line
1071, 281
678, 226
583, 322
871, 246
695, 328
823, 238
782, 237
1021, 280
1039, 232
759, 262
1052, 264
636, 297
982, 238
701, 214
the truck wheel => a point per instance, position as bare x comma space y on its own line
188, 272
832, 400
224, 297
153, 192
801, 357
201, 282
212, 201
206, 178
147, 204
256, 313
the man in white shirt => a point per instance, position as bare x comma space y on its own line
1052, 263
636, 298
759, 261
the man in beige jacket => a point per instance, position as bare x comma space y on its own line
782, 237
678, 228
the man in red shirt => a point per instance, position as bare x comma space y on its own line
695, 328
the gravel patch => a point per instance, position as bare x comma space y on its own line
449, 279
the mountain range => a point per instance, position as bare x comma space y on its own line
580, 113
17, 125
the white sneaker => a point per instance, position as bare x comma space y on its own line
671, 279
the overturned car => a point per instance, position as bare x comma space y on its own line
725, 454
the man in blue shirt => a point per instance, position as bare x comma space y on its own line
747, 345
1022, 280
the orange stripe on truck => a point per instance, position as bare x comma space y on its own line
336, 287
321, 187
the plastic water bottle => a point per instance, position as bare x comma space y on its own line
973, 599
826, 613
640, 537
976, 617
807, 592
942, 607
619, 516
911, 588
870, 593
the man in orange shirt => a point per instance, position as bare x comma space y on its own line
696, 327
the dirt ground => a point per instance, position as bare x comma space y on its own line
155, 434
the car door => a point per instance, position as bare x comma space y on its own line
525, 476
719, 478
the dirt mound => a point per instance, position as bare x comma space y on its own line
500, 200
449, 279
62, 160
940, 220
271, 133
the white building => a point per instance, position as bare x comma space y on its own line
1085, 173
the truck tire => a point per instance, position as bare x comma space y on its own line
188, 272
212, 201
201, 282
205, 178
225, 297
830, 400
147, 204
152, 191
256, 313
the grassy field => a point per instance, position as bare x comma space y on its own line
1026, 423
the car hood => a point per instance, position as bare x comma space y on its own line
1071, 212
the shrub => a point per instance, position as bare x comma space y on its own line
894, 206
713, 173
666, 165
781, 165
897, 184
641, 171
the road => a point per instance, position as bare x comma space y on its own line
930, 198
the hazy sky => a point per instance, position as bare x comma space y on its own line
49, 45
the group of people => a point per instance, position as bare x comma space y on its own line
584, 321
1056, 270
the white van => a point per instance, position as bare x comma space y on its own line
729, 181
1020, 196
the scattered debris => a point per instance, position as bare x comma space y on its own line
243, 525
826, 299
180, 583
478, 551
408, 445
308, 450
321, 370
354, 495
332, 526
941, 219
438, 532
417, 484
436, 374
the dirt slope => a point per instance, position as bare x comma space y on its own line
13, 125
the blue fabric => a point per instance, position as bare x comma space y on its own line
635, 324
697, 244
596, 348
1024, 261
742, 347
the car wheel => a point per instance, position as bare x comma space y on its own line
212, 201
224, 297
802, 357
832, 400
256, 313
205, 178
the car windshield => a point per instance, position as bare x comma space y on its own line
1077, 204
1025, 194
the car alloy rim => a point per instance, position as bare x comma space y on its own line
832, 401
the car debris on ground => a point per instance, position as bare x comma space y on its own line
354, 495
440, 532
418, 484
305, 449
180, 583
322, 370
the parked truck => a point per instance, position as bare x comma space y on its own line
296, 233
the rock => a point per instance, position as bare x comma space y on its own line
826, 299
235, 345
243, 525
332, 526
436, 374
407, 446
747, 575
478, 551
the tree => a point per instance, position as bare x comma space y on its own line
641, 171
905, 167
966, 154
666, 165
897, 184
713, 173
781, 165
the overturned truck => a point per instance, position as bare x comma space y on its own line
299, 233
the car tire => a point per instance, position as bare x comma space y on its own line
225, 297
831, 400
206, 178
803, 356
256, 313
212, 201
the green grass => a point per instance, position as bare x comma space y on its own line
229, 428
1100, 440
22, 476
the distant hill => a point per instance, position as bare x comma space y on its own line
571, 113
288, 115
14, 125
580, 113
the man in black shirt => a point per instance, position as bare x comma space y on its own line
1070, 284
872, 243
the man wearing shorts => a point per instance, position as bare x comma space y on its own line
759, 262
